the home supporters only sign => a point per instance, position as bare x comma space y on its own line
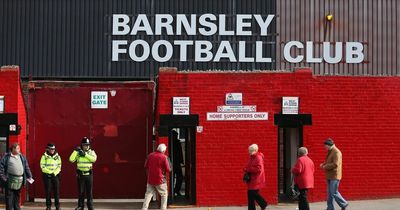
215, 116
236, 112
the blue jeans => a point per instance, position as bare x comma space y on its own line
333, 193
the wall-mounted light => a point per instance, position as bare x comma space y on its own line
1, 104
113, 93
329, 17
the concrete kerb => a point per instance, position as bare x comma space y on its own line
381, 204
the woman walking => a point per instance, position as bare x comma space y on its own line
303, 172
255, 170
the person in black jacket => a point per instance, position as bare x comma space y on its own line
14, 171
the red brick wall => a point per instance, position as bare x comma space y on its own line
10, 88
22, 120
360, 113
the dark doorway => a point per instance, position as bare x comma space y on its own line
3, 150
289, 140
185, 125
182, 155
3, 140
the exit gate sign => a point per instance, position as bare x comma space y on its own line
99, 100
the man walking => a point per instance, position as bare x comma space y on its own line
157, 166
303, 172
333, 174
14, 171
50, 163
84, 157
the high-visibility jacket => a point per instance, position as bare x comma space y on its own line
83, 163
50, 164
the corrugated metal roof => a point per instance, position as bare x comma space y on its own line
373, 22
72, 38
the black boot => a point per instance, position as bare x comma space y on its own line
79, 208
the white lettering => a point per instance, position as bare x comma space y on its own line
259, 53
203, 20
287, 55
155, 51
120, 20
132, 50
164, 21
222, 27
181, 20
327, 52
208, 24
264, 24
310, 55
141, 19
116, 50
242, 53
354, 49
240, 24
199, 51
183, 48
225, 45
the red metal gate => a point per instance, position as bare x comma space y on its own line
121, 135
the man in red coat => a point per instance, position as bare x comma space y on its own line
157, 166
303, 172
255, 168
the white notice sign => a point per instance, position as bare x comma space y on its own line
1, 104
233, 99
13, 128
99, 100
290, 105
181, 106
218, 116
240, 108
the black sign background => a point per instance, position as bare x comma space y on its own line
71, 39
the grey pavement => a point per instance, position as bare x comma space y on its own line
381, 204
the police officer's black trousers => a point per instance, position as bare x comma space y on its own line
85, 183
12, 199
52, 183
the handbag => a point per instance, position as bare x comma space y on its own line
246, 177
294, 191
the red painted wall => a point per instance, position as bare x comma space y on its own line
60, 112
361, 114
10, 88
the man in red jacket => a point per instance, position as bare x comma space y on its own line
157, 166
303, 172
255, 168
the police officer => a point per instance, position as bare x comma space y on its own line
50, 163
84, 156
